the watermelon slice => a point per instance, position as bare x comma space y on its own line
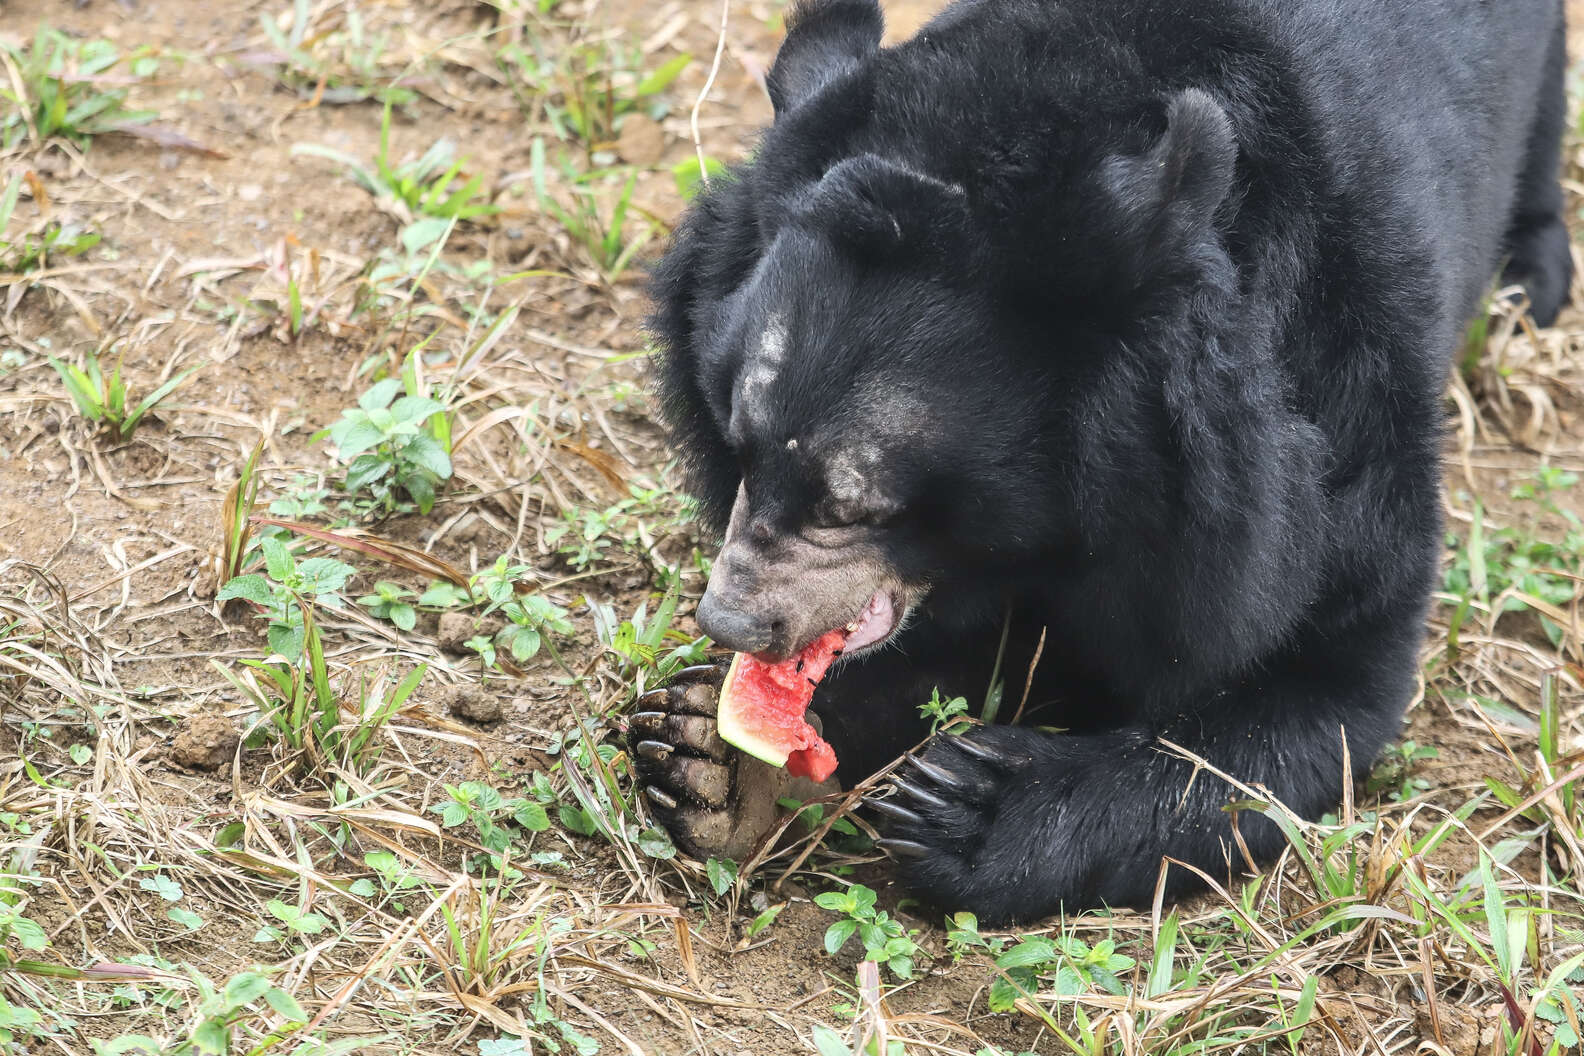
762, 707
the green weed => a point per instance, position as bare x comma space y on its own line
587, 90
1394, 774
584, 536
102, 398
430, 186
65, 87
333, 65
883, 937
1064, 965
1550, 795
389, 602
284, 591
397, 444
236, 527
1518, 567
497, 821
295, 703
29, 250
606, 238
648, 649
528, 616
491, 944
947, 714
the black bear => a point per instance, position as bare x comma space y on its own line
1124, 323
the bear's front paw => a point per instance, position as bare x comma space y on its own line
949, 816
713, 799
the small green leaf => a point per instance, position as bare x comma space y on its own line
285, 1004
531, 816
422, 450
29, 933
656, 843
246, 988
1028, 953
285, 639
277, 559
212, 1037
252, 587
185, 917
352, 437
380, 394
837, 934
830, 1043
365, 470
722, 874
424, 232
577, 819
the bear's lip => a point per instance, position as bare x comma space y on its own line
873, 625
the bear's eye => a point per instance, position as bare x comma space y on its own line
837, 513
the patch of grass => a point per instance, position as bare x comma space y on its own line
584, 535
229, 1018
604, 233
296, 705
432, 185
102, 398
68, 88
1394, 774
1521, 566
336, 61
1549, 793
648, 648
23, 251
492, 947
586, 90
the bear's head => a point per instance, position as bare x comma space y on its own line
859, 367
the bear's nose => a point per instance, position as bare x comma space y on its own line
736, 628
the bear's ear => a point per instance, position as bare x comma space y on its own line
878, 208
825, 39
1182, 180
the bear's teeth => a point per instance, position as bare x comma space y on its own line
851, 627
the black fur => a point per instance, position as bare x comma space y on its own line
1151, 304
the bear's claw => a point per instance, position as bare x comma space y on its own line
924, 797
938, 774
902, 848
894, 811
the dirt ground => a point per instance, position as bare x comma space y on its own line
228, 249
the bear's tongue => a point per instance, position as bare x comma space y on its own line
873, 624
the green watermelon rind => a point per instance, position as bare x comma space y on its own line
728, 723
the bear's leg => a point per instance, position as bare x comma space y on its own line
1015, 823
1538, 255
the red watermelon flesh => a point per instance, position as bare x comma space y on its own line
762, 707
